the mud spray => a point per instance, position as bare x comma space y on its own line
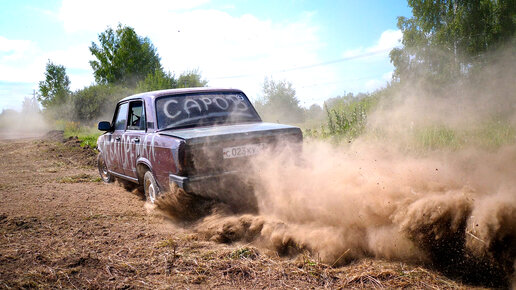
454, 210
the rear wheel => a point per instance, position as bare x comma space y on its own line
150, 187
103, 171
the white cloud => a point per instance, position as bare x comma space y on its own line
95, 15
22, 66
23, 61
217, 43
17, 60
388, 40
11, 47
371, 65
374, 84
74, 57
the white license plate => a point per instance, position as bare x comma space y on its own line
242, 151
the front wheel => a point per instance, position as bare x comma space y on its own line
150, 187
103, 171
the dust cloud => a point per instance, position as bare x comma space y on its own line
488, 95
15, 125
453, 209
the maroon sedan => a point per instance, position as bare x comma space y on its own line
196, 139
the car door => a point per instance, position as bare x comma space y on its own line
134, 135
117, 152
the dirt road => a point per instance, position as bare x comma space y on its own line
61, 227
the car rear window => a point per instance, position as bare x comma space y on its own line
202, 109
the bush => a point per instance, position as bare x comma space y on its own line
97, 102
88, 135
346, 117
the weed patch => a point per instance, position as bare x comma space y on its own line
79, 178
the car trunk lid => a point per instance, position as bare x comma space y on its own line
216, 149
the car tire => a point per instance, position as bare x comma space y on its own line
150, 187
103, 170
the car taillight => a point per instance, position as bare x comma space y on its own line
180, 158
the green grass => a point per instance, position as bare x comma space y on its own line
348, 121
488, 135
88, 135
79, 178
494, 134
437, 137
345, 120
244, 253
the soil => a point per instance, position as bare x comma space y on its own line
61, 227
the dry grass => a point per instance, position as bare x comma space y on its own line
60, 234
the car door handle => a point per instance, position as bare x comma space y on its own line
117, 138
136, 140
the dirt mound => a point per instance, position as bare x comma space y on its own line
54, 135
82, 154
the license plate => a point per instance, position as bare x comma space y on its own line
242, 151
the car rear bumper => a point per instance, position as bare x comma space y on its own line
208, 185
227, 187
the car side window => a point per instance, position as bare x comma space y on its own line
136, 116
121, 116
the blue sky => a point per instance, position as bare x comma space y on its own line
325, 48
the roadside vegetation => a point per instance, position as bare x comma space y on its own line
86, 134
445, 49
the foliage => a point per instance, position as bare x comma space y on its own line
279, 103
125, 64
446, 39
314, 117
159, 80
490, 134
54, 90
347, 117
123, 57
30, 105
191, 79
436, 137
88, 135
244, 253
97, 101
495, 133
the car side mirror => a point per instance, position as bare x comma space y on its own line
104, 126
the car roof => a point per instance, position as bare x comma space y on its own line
170, 92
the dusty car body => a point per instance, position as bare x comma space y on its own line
190, 138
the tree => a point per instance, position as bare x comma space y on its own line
191, 79
279, 102
123, 57
159, 80
30, 105
445, 39
97, 101
55, 89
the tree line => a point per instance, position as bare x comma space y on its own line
449, 40
444, 42
125, 63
